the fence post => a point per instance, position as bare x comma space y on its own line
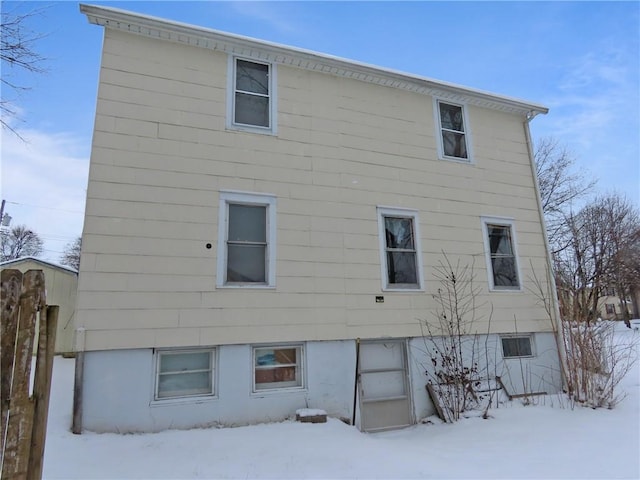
17, 444
10, 307
42, 389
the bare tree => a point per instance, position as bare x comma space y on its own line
560, 186
71, 255
17, 53
600, 241
20, 241
629, 261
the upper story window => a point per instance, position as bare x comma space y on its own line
502, 262
246, 240
453, 138
399, 249
252, 96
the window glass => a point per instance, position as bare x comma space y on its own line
402, 268
252, 110
503, 260
399, 232
516, 347
252, 77
451, 117
246, 263
252, 96
184, 374
177, 362
247, 243
454, 142
401, 252
246, 240
277, 367
247, 223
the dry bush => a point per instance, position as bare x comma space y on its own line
451, 343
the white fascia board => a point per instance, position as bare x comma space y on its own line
178, 32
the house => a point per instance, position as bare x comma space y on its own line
61, 283
263, 224
611, 306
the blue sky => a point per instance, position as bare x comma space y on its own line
581, 59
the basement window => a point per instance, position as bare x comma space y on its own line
517, 346
277, 367
184, 373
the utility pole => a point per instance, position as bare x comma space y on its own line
5, 218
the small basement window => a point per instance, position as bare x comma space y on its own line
277, 367
184, 373
513, 347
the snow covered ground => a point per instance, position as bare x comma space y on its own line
546, 440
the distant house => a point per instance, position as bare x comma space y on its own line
263, 224
612, 307
61, 283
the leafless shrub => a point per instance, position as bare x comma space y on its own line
451, 343
593, 358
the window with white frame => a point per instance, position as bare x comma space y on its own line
400, 255
500, 248
246, 240
453, 137
184, 373
610, 308
252, 95
277, 367
517, 346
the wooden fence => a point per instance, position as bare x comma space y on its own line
26, 318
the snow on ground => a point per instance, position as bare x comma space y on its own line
547, 440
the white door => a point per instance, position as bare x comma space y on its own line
383, 385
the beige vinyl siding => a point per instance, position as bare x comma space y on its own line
161, 155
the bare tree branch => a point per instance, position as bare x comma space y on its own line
18, 242
17, 54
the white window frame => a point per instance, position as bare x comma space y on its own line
503, 222
383, 212
246, 198
301, 365
466, 132
231, 98
613, 307
212, 351
514, 337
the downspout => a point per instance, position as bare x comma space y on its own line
76, 422
560, 340
355, 385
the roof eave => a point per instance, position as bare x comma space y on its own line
296, 57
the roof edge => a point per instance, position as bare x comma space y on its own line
202, 37
8, 263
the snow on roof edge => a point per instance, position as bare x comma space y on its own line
38, 260
93, 12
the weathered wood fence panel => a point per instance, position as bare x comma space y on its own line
25, 317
